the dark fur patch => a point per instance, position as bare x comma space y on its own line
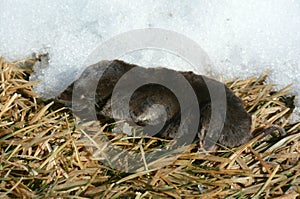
236, 129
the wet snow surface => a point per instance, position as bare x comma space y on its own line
241, 38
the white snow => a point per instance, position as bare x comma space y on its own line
242, 38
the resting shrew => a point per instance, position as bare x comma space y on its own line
155, 104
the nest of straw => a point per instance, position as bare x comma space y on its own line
43, 155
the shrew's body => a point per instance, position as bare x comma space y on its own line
97, 83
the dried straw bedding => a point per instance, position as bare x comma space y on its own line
42, 153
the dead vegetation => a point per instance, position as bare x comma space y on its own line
45, 153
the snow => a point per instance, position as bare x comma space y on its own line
241, 38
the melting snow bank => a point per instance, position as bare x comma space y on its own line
241, 38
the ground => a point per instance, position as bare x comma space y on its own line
43, 155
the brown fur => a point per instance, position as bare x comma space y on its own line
237, 121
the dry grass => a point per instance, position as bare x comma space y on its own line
44, 153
